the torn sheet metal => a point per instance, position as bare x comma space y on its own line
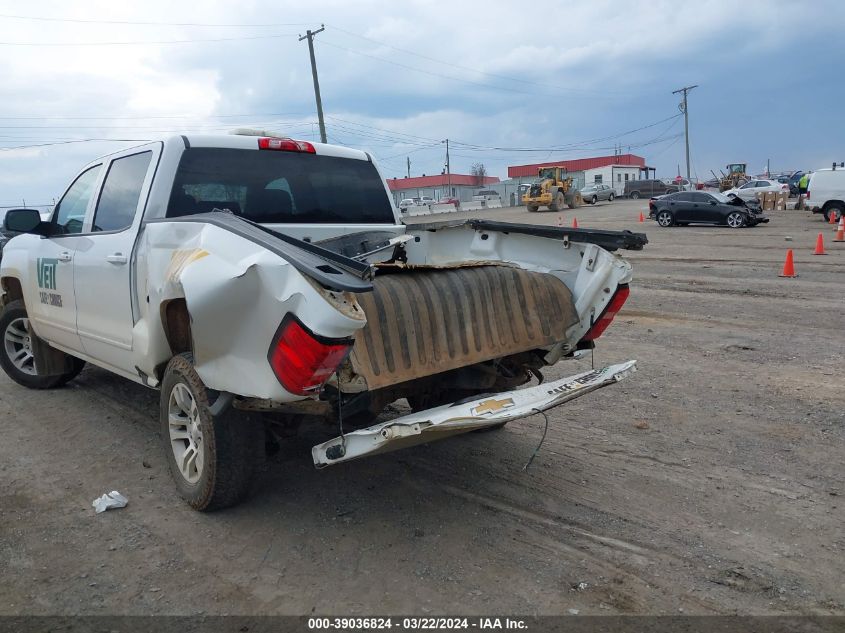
441, 422
427, 322
237, 287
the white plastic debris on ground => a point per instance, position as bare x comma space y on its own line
108, 501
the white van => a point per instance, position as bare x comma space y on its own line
826, 192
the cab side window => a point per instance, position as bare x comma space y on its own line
121, 192
70, 212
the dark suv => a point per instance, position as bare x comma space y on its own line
648, 188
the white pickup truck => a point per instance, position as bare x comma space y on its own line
267, 274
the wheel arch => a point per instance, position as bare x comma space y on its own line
176, 321
12, 290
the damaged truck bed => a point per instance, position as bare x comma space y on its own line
267, 274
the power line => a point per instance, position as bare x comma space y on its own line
137, 23
441, 75
147, 42
475, 70
163, 116
577, 145
82, 140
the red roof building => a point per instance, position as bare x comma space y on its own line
579, 164
440, 180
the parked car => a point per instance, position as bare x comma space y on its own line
793, 183
826, 192
262, 294
485, 194
409, 202
749, 190
702, 207
593, 193
647, 188
449, 200
427, 200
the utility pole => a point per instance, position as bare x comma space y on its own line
685, 110
448, 169
309, 35
408, 159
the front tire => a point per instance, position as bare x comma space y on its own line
533, 208
610, 198
17, 354
212, 459
665, 219
735, 220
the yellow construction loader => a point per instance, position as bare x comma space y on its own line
735, 177
553, 189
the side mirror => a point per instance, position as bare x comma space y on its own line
713, 202
22, 221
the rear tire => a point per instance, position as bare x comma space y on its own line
635, 195
836, 209
212, 459
16, 352
533, 208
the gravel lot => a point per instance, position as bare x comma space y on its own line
710, 482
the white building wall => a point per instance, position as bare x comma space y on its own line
613, 175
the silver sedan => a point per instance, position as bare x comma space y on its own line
593, 193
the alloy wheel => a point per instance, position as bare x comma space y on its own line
185, 429
664, 218
17, 339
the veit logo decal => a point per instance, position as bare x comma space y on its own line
47, 272
47, 279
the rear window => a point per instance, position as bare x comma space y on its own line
279, 187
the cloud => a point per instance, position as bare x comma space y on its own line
490, 74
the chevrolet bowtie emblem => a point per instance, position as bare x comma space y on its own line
491, 406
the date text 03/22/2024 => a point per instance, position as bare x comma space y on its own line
420, 623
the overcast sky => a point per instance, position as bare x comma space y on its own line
565, 79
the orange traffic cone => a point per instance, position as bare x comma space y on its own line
642, 217
819, 246
831, 219
574, 223
840, 234
788, 266
841, 223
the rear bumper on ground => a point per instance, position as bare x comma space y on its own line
457, 418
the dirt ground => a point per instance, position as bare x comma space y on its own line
709, 482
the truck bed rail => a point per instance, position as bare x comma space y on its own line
608, 240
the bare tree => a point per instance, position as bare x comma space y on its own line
479, 172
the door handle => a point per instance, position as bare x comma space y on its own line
116, 258
64, 256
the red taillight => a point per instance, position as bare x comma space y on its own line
285, 145
303, 361
616, 303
